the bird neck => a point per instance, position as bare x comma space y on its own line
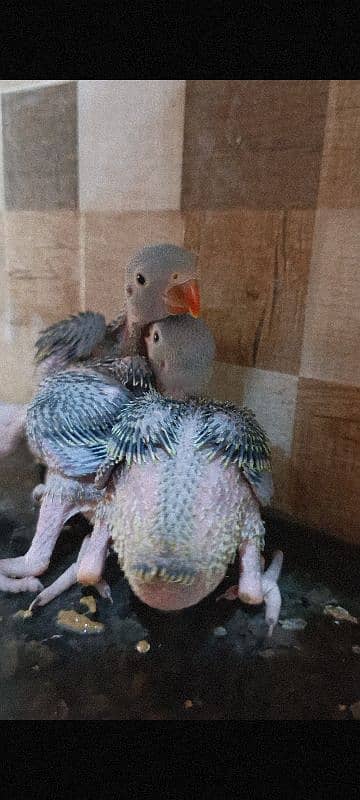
135, 344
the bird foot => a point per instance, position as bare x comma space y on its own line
69, 578
270, 589
16, 585
22, 567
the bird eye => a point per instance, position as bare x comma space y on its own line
175, 276
156, 337
140, 278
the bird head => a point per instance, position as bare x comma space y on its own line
181, 353
161, 280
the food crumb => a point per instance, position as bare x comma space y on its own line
78, 623
143, 646
90, 603
340, 614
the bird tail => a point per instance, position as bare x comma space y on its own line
12, 426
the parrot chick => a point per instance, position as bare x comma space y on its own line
177, 521
160, 280
90, 396
188, 481
181, 351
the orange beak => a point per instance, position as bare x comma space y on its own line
183, 298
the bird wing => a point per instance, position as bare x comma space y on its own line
71, 417
145, 425
235, 435
72, 338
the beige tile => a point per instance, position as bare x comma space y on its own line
40, 148
41, 277
2, 197
326, 458
254, 272
17, 360
6, 86
340, 173
4, 297
130, 144
332, 319
42, 255
17, 338
194, 225
253, 143
272, 397
110, 240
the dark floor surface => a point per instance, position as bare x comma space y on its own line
189, 672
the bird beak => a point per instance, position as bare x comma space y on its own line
183, 298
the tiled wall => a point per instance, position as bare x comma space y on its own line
262, 180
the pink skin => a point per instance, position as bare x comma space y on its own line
250, 589
260, 587
15, 585
215, 498
91, 564
54, 513
270, 590
174, 597
68, 579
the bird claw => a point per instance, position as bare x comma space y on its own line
38, 493
104, 591
272, 596
34, 604
138, 372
